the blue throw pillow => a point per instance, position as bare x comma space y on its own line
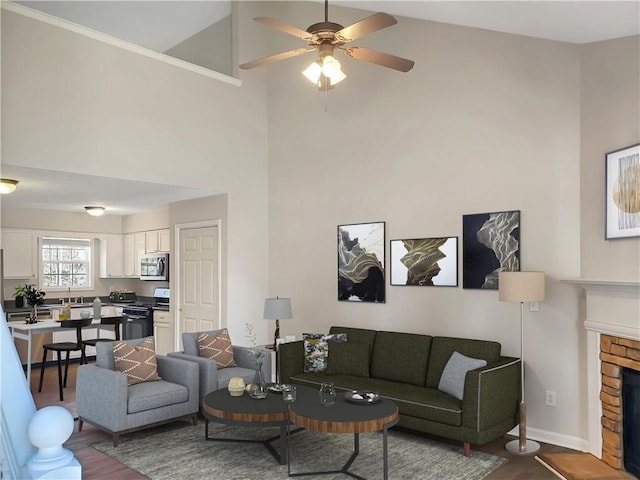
455, 371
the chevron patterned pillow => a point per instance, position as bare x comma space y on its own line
217, 348
137, 363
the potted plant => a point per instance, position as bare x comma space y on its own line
19, 295
34, 299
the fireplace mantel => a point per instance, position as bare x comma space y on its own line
612, 308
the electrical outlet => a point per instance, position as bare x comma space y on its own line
550, 398
533, 306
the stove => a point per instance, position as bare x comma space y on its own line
139, 314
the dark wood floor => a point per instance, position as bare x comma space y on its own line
96, 465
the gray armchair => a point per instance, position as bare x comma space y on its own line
213, 378
105, 400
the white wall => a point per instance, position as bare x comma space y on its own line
72, 104
484, 122
610, 92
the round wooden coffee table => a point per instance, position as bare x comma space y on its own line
344, 417
244, 411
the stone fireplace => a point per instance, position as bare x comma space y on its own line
615, 354
613, 343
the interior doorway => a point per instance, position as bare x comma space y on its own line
198, 278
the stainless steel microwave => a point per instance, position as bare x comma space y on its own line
154, 266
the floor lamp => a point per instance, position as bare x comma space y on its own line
276, 309
521, 287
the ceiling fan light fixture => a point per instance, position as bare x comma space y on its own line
7, 186
323, 71
312, 72
332, 70
94, 210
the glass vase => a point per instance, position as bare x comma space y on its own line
258, 388
33, 317
327, 394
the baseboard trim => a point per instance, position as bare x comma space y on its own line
554, 438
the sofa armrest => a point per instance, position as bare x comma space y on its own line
182, 372
291, 359
207, 372
491, 394
101, 396
246, 359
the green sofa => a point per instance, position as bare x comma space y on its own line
407, 368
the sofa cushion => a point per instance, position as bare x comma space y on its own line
137, 363
443, 347
400, 357
348, 359
152, 395
104, 352
455, 372
217, 347
316, 350
190, 341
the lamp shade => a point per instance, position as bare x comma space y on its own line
521, 286
277, 308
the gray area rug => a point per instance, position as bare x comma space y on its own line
179, 451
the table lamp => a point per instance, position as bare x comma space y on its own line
521, 287
277, 309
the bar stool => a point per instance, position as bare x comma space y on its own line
68, 347
91, 342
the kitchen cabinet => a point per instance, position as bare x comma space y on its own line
111, 256
140, 248
20, 254
158, 241
163, 332
129, 255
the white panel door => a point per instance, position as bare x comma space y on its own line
199, 310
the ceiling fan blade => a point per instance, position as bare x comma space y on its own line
364, 27
379, 58
274, 58
283, 27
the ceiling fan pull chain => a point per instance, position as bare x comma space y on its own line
326, 97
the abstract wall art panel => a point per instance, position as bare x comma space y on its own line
490, 244
623, 193
424, 262
361, 262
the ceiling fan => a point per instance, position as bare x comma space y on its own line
327, 37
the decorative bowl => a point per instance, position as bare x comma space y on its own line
84, 314
362, 397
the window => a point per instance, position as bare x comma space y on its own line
66, 262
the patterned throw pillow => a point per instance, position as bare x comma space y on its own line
316, 349
137, 363
217, 348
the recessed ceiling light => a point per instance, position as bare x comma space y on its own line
7, 185
94, 210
